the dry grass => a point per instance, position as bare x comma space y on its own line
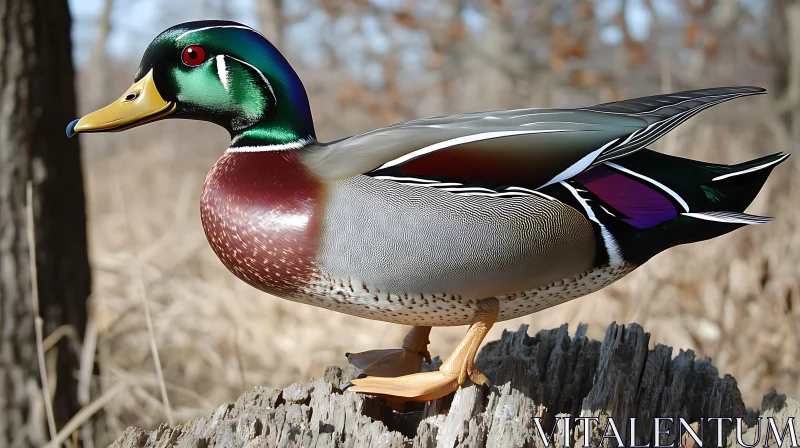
735, 299
37, 317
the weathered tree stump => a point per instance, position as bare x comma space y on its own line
548, 378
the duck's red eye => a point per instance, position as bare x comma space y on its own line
193, 55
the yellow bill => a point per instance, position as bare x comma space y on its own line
140, 104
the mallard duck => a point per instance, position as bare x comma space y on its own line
459, 220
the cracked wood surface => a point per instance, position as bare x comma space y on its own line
548, 376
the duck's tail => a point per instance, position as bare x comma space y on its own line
651, 201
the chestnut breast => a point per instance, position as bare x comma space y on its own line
260, 213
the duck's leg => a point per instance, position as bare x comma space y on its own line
395, 362
453, 372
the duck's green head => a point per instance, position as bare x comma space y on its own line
217, 71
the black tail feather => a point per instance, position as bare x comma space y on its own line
711, 200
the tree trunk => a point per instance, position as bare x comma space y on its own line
784, 29
98, 60
549, 377
271, 20
37, 100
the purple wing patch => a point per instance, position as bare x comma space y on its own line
643, 205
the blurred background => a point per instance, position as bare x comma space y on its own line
371, 63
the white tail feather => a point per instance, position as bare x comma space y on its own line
730, 217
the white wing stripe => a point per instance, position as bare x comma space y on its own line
606, 210
505, 193
405, 179
750, 170
666, 189
527, 190
578, 167
730, 218
612, 248
548, 123
460, 141
467, 191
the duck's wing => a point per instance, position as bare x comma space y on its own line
525, 147
664, 113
